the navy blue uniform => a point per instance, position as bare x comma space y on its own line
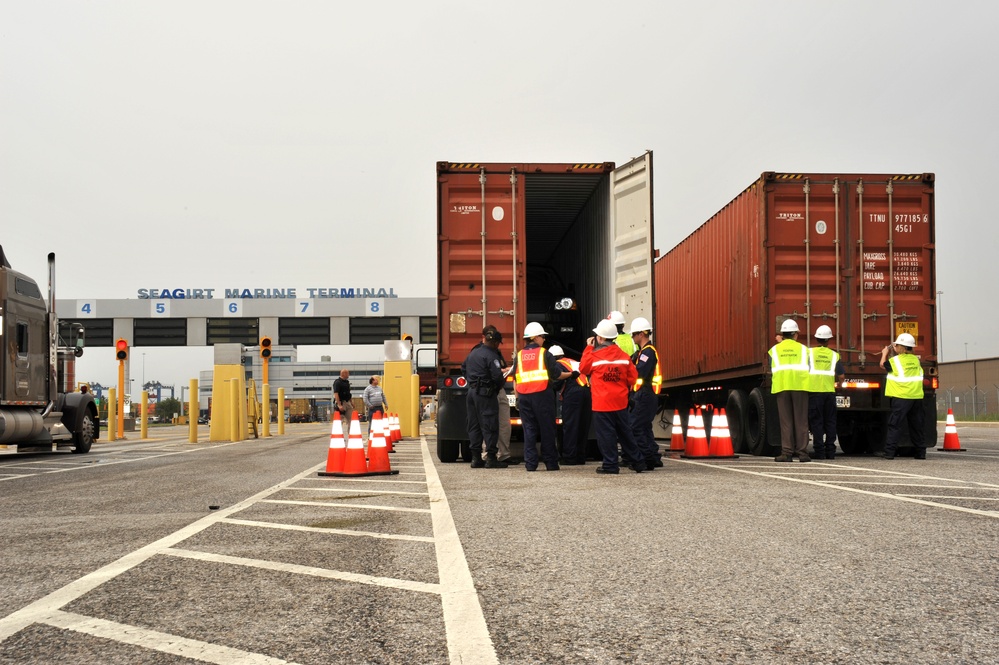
483, 369
644, 403
537, 415
822, 420
576, 415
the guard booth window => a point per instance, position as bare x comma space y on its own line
374, 330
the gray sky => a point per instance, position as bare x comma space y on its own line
154, 144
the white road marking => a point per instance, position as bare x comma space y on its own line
345, 505
339, 532
381, 479
468, 640
944, 496
157, 641
362, 491
392, 583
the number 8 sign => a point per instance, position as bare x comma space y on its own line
374, 307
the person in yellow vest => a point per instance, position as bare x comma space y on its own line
825, 369
534, 370
789, 369
645, 393
904, 387
623, 339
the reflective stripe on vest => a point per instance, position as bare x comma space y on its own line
789, 361
822, 374
657, 376
906, 381
531, 377
567, 364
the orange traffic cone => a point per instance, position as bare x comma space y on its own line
337, 451
378, 460
697, 440
676, 440
396, 430
354, 463
951, 441
721, 438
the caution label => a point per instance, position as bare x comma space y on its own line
911, 327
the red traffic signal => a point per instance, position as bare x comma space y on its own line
121, 349
265, 347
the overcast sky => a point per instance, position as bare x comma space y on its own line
217, 143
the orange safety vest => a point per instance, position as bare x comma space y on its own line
567, 364
531, 377
657, 377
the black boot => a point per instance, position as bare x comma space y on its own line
493, 463
478, 462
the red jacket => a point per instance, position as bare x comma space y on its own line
611, 375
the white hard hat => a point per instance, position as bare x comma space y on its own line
823, 332
616, 317
533, 329
905, 339
556, 350
606, 329
640, 324
789, 326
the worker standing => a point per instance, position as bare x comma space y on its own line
904, 387
645, 396
789, 367
825, 369
574, 393
611, 374
622, 339
483, 370
534, 369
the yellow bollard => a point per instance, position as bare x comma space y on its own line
280, 406
232, 394
265, 417
144, 424
112, 415
193, 413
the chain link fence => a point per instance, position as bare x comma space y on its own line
971, 403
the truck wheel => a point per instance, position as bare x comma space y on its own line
735, 410
84, 436
447, 450
756, 423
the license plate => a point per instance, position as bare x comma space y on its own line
842, 402
513, 400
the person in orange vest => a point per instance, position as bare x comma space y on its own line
611, 374
645, 395
534, 370
574, 393
789, 383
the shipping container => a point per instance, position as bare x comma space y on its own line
854, 252
560, 244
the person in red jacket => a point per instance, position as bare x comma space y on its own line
611, 374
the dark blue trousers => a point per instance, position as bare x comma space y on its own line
537, 414
482, 422
576, 413
611, 427
911, 411
643, 412
822, 423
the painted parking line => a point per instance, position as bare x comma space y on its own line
359, 506
339, 532
363, 491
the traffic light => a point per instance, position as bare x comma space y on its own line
121, 349
265, 348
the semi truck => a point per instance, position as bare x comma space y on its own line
562, 244
852, 251
40, 409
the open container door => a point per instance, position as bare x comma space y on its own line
631, 214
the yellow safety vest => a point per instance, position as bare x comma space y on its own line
822, 371
906, 378
789, 364
531, 377
626, 343
657, 377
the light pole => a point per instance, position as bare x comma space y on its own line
965, 350
940, 324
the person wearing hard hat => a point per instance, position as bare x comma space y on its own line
574, 393
534, 370
483, 370
645, 394
789, 384
904, 387
824, 370
611, 374
622, 339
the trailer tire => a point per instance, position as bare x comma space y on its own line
735, 409
756, 423
84, 436
447, 450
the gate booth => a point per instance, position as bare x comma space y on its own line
401, 386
